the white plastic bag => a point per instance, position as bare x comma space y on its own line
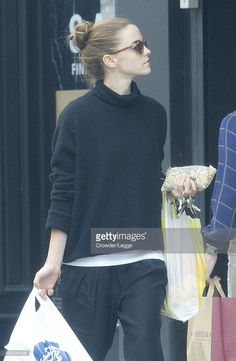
43, 335
185, 262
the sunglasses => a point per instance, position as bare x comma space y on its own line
137, 45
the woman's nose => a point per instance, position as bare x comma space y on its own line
147, 51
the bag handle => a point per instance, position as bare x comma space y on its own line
44, 302
215, 283
29, 306
41, 301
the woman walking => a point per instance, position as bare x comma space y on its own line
106, 173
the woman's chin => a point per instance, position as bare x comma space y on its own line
146, 71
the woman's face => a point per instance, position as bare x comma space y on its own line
129, 62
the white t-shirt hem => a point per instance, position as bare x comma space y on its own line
116, 259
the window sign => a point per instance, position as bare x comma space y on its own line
65, 15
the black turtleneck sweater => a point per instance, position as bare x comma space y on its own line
106, 165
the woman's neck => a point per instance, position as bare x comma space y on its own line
120, 86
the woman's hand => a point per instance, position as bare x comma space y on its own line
210, 264
46, 278
185, 187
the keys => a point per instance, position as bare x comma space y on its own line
182, 203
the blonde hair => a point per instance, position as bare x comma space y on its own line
96, 40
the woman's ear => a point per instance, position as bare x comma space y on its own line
109, 61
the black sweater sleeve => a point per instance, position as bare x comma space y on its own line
62, 174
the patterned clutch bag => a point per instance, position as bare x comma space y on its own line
200, 174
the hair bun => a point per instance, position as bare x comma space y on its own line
81, 34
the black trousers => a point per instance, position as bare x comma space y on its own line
93, 298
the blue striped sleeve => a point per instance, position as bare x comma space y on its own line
223, 203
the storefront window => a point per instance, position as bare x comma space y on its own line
65, 15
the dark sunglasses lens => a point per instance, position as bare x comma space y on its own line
140, 46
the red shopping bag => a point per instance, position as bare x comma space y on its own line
223, 336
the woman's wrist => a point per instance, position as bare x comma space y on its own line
53, 264
56, 249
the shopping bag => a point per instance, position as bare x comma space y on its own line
43, 334
212, 332
199, 330
185, 262
223, 336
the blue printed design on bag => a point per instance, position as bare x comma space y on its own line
50, 351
